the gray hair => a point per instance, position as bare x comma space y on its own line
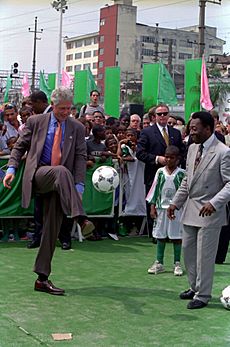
61, 94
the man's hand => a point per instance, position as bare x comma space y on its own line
161, 160
153, 212
170, 212
207, 210
7, 180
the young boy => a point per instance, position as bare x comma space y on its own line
164, 187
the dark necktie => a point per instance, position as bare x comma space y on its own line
56, 149
198, 156
165, 136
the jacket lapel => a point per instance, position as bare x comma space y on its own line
68, 141
159, 135
203, 165
41, 134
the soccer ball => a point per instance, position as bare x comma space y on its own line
105, 179
225, 298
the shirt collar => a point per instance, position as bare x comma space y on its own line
47, 109
160, 127
208, 142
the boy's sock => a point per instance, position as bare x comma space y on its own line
177, 251
160, 251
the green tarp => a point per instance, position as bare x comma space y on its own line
112, 91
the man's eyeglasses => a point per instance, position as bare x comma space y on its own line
162, 114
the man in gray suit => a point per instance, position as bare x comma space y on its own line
55, 167
204, 193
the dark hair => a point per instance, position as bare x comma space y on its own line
10, 107
111, 121
132, 131
161, 105
173, 150
180, 119
110, 137
172, 116
93, 91
24, 109
205, 118
97, 111
38, 95
97, 129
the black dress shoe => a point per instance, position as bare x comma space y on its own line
187, 294
33, 244
48, 287
66, 246
194, 304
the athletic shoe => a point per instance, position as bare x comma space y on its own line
178, 269
113, 236
156, 268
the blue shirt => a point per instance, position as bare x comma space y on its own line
47, 149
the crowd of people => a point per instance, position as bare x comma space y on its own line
60, 143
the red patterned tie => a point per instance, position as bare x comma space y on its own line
56, 149
198, 156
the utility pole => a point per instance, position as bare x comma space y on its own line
170, 57
60, 5
35, 31
156, 43
202, 4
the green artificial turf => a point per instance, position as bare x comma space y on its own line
110, 299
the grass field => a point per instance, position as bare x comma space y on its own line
110, 299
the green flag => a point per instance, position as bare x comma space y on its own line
91, 85
112, 91
150, 85
43, 85
8, 86
52, 81
192, 86
84, 83
166, 87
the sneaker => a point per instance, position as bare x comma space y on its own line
156, 268
113, 236
178, 269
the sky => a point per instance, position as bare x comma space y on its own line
82, 17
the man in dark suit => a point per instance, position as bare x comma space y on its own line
40, 105
55, 167
151, 148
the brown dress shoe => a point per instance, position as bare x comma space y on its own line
87, 228
48, 287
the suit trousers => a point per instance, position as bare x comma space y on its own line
199, 247
56, 185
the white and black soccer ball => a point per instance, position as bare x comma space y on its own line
105, 179
225, 297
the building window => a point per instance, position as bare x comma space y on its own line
95, 40
69, 57
69, 69
118, 38
148, 52
102, 38
69, 45
77, 67
117, 64
78, 55
100, 76
185, 56
101, 64
95, 53
94, 65
87, 54
86, 66
78, 43
102, 22
117, 51
167, 41
88, 42
101, 51
187, 43
149, 39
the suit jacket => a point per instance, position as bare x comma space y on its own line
33, 139
151, 144
209, 183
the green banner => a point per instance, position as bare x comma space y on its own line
8, 87
112, 91
81, 87
43, 85
94, 202
150, 85
192, 86
52, 81
10, 202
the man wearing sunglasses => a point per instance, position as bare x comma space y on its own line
151, 148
